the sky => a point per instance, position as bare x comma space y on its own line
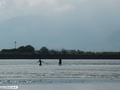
88, 25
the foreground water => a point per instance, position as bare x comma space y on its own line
73, 74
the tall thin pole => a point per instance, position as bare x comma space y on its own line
15, 44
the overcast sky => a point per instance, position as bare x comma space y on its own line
81, 24
12, 8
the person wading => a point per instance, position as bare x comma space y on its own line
40, 62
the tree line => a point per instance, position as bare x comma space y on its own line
28, 49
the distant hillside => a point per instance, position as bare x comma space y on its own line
60, 32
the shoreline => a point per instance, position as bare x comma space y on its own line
64, 84
29, 81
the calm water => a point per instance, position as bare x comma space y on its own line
55, 62
72, 71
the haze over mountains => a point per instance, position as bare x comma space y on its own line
88, 25
58, 32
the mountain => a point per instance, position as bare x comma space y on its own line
113, 41
54, 32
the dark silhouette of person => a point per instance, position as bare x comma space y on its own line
40, 62
60, 61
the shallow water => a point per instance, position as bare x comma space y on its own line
28, 72
65, 62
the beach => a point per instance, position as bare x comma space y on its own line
72, 75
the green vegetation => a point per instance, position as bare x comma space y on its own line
21, 50
29, 52
44, 50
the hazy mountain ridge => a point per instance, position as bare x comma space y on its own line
59, 32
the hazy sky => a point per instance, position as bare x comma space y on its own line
73, 24
12, 8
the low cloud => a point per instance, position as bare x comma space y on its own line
87, 21
51, 7
20, 4
64, 8
34, 2
2, 4
51, 2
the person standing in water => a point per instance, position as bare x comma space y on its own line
60, 62
40, 62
